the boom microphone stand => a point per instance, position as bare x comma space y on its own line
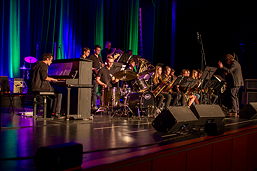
203, 59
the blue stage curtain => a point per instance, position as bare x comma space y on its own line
62, 27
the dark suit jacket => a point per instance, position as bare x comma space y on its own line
235, 71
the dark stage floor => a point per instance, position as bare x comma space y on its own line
104, 136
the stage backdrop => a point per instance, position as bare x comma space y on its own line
63, 27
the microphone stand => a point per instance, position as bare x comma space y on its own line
203, 61
203, 58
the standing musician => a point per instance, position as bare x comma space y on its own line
106, 79
107, 51
40, 82
85, 53
96, 65
234, 80
157, 82
105, 76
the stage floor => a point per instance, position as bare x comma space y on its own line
104, 136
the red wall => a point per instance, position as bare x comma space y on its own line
235, 151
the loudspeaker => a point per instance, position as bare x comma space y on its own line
59, 157
173, 119
210, 117
206, 112
249, 111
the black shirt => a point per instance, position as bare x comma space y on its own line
39, 74
105, 52
106, 76
97, 61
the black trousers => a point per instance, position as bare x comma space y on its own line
164, 96
94, 91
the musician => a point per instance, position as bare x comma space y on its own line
234, 79
107, 51
169, 74
105, 76
172, 74
158, 81
166, 74
97, 63
195, 86
85, 53
40, 81
132, 65
187, 97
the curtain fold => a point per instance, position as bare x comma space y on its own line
63, 27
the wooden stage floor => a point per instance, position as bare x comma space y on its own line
102, 137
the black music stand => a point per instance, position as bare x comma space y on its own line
206, 77
178, 80
208, 73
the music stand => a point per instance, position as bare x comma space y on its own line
207, 75
178, 80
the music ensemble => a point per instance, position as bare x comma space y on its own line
124, 84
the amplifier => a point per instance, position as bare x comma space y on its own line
248, 97
251, 84
18, 85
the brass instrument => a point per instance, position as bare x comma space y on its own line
165, 83
169, 87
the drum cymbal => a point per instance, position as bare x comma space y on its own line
30, 59
125, 75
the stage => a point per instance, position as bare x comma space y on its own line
105, 139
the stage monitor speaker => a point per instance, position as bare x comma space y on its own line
211, 117
249, 111
206, 112
173, 119
59, 157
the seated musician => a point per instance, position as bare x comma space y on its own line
169, 74
187, 97
132, 65
166, 74
172, 74
196, 82
105, 76
157, 83
40, 82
